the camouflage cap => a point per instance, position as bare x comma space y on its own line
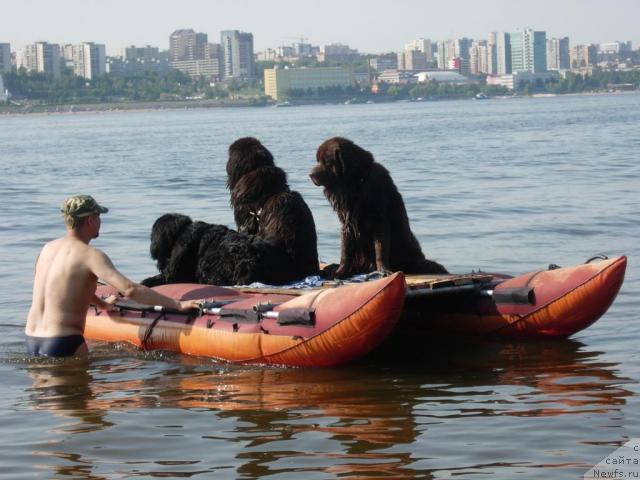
80, 206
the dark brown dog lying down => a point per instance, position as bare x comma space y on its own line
375, 226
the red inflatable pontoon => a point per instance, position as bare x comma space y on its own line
325, 327
549, 303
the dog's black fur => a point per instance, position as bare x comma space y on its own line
199, 252
276, 239
265, 206
375, 227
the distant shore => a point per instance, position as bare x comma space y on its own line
121, 106
16, 110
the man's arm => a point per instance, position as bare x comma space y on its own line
102, 267
105, 303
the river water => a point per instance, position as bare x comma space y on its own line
502, 185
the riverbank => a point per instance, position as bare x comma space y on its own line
44, 109
27, 109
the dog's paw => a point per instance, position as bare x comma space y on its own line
385, 272
329, 271
343, 271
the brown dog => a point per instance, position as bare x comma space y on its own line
375, 226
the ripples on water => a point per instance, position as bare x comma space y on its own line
506, 186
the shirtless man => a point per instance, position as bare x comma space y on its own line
65, 280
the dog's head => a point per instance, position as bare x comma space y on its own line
340, 163
245, 155
257, 186
165, 232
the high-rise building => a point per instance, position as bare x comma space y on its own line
384, 61
48, 58
89, 60
4, 94
503, 54
558, 54
144, 54
237, 54
138, 60
478, 58
184, 44
302, 49
26, 58
615, 48
66, 51
492, 54
564, 60
446, 51
337, 52
461, 47
206, 67
5, 58
285, 51
191, 53
460, 65
412, 60
583, 55
423, 45
528, 51
41, 57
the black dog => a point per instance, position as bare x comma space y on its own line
265, 206
375, 226
199, 252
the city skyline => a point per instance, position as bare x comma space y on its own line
280, 23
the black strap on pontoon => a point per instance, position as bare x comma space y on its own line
216, 304
255, 314
304, 317
289, 316
163, 313
265, 307
149, 331
139, 307
597, 257
434, 292
518, 295
297, 316
246, 315
240, 315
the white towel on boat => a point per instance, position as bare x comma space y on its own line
317, 281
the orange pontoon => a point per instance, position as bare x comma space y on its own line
325, 327
550, 303
333, 325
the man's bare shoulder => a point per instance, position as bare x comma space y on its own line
51, 248
96, 258
53, 244
74, 249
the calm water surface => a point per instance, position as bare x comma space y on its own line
501, 185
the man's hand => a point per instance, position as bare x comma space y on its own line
110, 303
107, 304
186, 305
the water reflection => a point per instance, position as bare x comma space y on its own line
67, 389
539, 378
355, 422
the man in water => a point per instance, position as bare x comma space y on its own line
64, 285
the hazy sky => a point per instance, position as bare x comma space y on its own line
371, 26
